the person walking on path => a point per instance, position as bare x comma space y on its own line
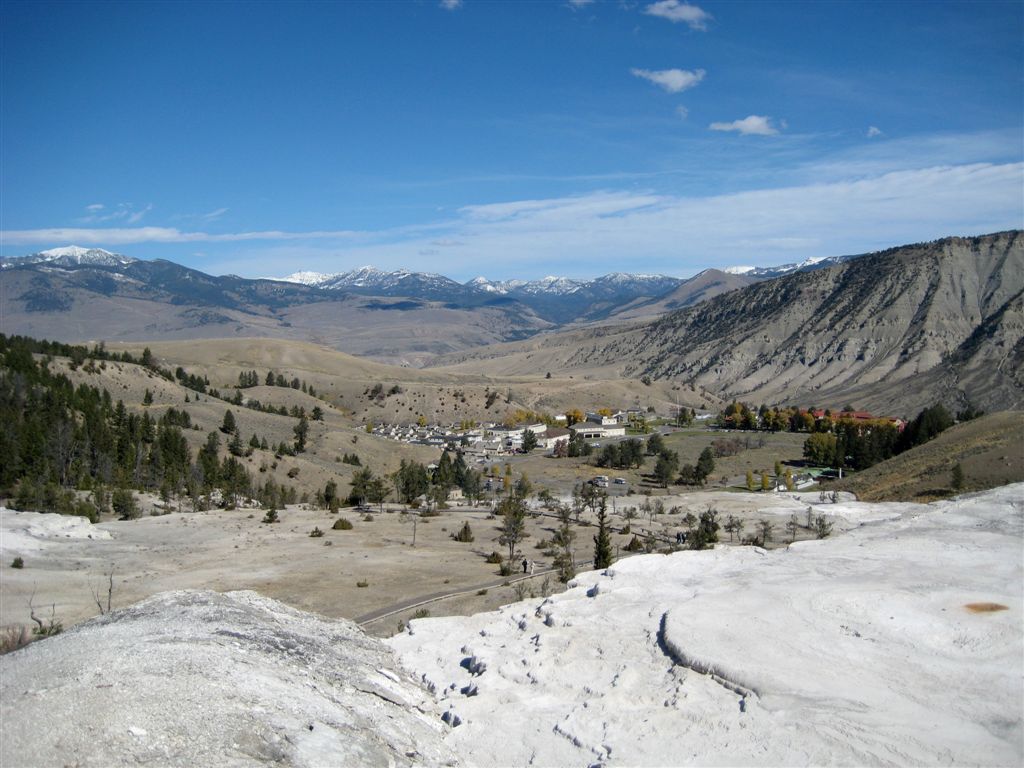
526, 564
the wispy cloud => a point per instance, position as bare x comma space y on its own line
133, 235
98, 213
682, 112
207, 217
677, 12
579, 3
754, 125
451, 5
638, 231
873, 132
672, 80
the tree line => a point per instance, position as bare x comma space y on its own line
58, 437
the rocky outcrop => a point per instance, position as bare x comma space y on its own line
202, 678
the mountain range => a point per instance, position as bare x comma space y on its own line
892, 331
79, 294
897, 329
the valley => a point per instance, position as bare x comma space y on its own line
381, 487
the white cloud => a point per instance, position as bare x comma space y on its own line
643, 232
672, 80
95, 207
579, 3
677, 12
682, 112
451, 5
754, 125
873, 132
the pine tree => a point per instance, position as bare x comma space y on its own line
512, 511
529, 441
958, 477
705, 465
602, 541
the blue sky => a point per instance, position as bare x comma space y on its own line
514, 139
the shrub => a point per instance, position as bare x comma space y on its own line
465, 533
635, 545
18, 563
271, 517
495, 558
421, 613
362, 584
367, 518
316, 533
342, 524
124, 504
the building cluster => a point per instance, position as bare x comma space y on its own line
858, 417
487, 441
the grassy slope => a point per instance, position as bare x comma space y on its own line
439, 395
990, 450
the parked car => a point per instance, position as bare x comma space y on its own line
620, 481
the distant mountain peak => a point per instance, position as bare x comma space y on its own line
71, 255
74, 251
306, 277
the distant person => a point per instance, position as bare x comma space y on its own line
526, 564
532, 564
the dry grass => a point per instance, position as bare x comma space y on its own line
990, 450
13, 637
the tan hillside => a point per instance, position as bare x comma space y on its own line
328, 439
892, 332
990, 449
438, 395
86, 305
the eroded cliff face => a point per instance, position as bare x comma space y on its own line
203, 678
873, 323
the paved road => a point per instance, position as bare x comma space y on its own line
416, 602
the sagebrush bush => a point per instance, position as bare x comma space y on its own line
342, 524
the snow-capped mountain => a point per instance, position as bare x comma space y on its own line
305, 278
71, 255
807, 265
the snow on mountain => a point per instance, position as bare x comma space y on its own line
71, 255
808, 264
558, 286
886, 644
483, 284
306, 278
